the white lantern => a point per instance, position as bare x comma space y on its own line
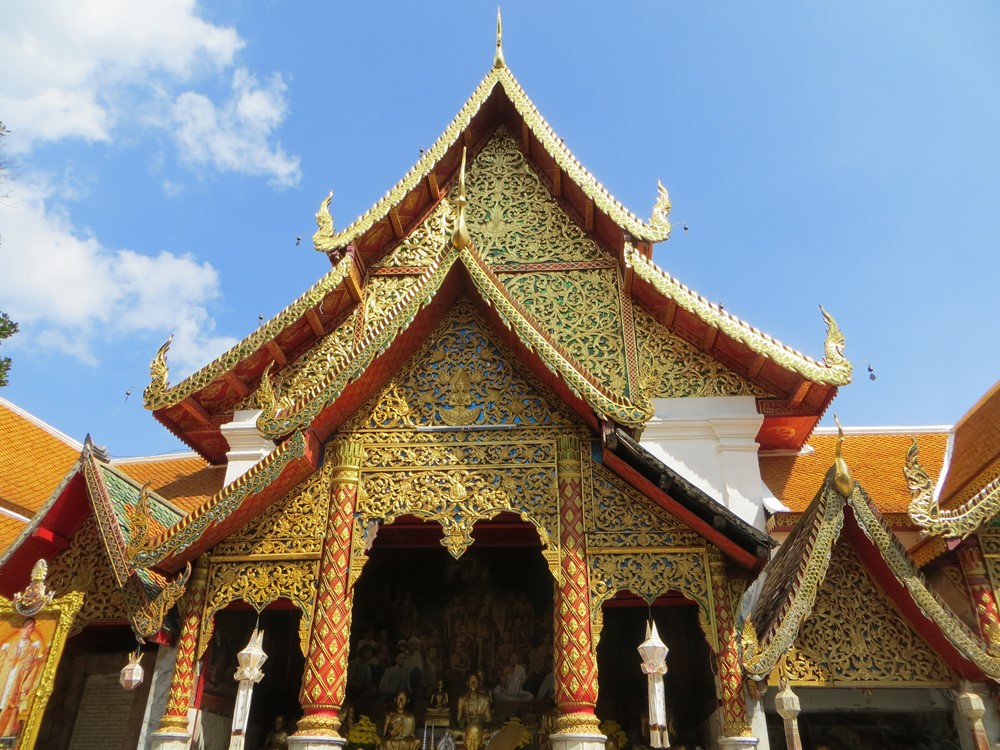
132, 673
654, 665
251, 659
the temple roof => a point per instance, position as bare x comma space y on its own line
785, 594
34, 457
125, 513
185, 481
876, 458
794, 389
975, 451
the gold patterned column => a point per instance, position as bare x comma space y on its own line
325, 676
174, 723
734, 712
970, 557
575, 662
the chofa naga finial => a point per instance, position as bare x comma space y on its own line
843, 482
498, 61
460, 237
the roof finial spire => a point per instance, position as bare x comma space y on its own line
460, 237
498, 61
843, 482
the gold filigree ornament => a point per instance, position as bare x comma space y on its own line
147, 620
834, 344
159, 373
959, 522
324, 222
35, 596
138, 517
661, 210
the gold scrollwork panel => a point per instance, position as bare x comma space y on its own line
582, 309
650, 575
424, 244
854, 635
259, 583
623, 517
84, 567
670, 367
460, 377
457, 498
511, 214
295, 525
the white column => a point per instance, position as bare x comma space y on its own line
156, 701
246, 445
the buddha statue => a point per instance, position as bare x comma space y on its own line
398, 731
277, 738
475, 711
438, 711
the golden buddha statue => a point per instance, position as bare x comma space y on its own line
399, 729
438, 712
277, 738
475, 710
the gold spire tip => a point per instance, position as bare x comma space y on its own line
843, 482
498, 61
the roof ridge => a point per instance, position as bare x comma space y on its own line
54, 432
657, 230
159, 394
713, 314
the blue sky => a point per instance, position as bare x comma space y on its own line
165, 155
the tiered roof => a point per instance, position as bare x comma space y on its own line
798, 388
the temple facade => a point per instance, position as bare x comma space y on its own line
441, 498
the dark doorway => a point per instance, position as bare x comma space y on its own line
689, 684
420, 616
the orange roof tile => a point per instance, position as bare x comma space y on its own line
34, 458
875, 459
975, 453
9, 529
186, 481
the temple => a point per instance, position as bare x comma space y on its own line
442, 497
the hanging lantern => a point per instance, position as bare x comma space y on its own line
248, 673
251, 659
132, 673
654, 665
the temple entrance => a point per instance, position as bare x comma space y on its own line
424, 622
689, 684
276, 695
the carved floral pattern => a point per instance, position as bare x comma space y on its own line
873, 643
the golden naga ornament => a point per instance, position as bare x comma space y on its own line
159, 372
834, 344
35, 595
460, 237
138, 517
498, 61
324, 222
661, 210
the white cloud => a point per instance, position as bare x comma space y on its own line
95, 69
234, 137
75, 59
68, 292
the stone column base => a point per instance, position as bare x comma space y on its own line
577, 741
314, 742
737, 743
170, 741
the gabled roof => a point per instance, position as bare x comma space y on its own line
124, 512
789, 584
975, 451
34, 457
796, 388
875, 455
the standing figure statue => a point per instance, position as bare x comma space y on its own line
277, 738
399, 729
475, 710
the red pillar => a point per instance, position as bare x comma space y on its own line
182, 682
325, 676
734, 710
970, 557
575, 662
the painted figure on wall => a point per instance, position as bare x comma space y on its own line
22, 655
